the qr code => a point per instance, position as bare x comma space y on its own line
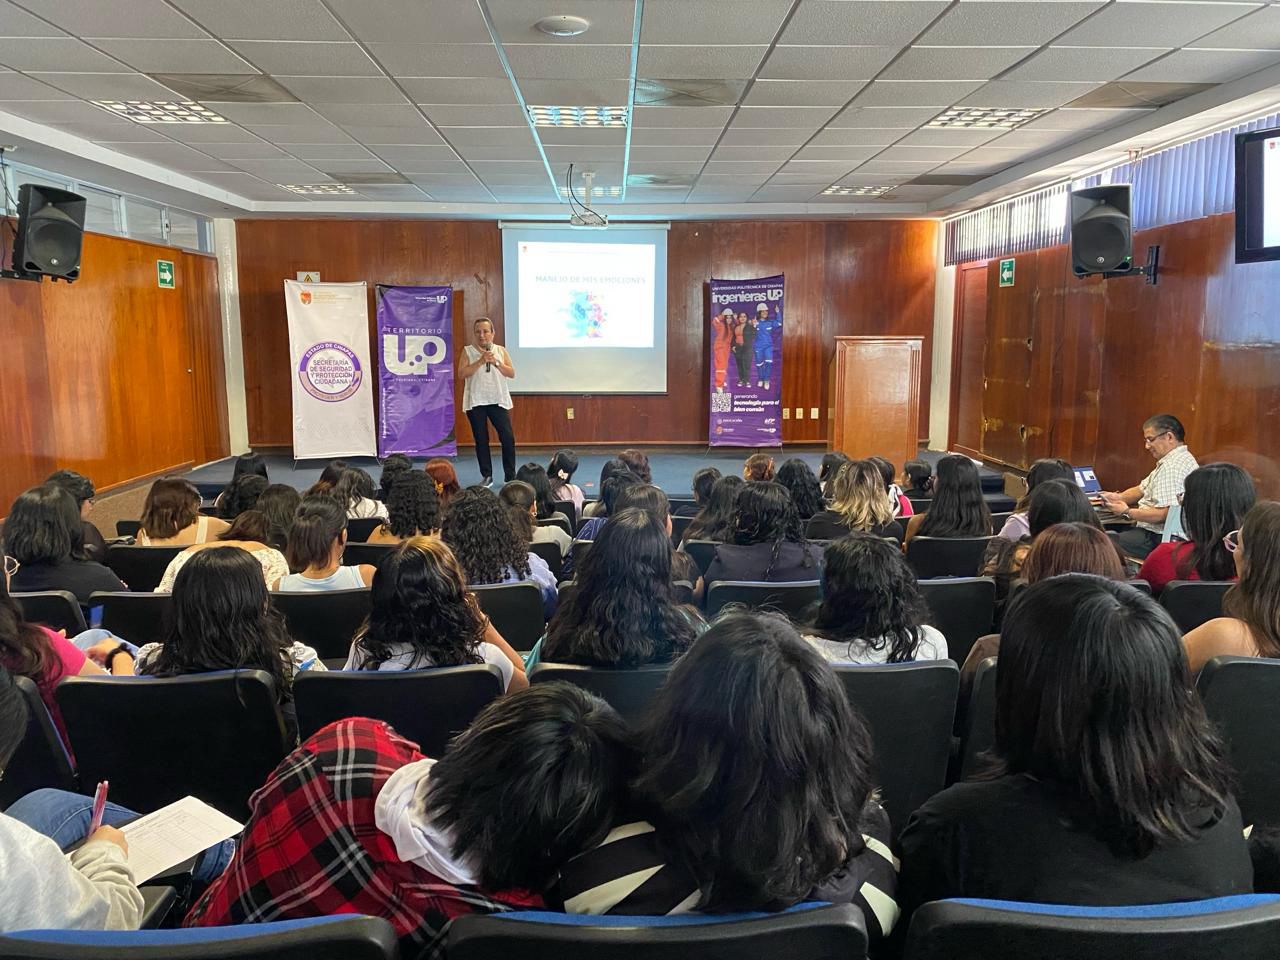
721, 403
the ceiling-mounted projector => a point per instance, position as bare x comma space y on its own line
583, 217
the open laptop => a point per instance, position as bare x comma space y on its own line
1087, 480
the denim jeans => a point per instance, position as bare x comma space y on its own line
64, 818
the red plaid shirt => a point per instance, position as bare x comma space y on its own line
311, 848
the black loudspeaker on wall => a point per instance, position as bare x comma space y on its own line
1101, 233
50, 230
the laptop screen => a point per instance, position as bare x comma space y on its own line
1087, 480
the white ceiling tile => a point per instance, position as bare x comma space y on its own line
370, 114
674, 136
656, 194
948, 137
857, 137
1037, 140
287, 133
473, 115
586, 136
883, 117
827, 62
1082, 119
854, 155
786, 194
538, 179
1082, 63
962, 168
490, 136
247, 185
338, 168
476, 194
890, 22
641, 152
406, 134
428, 179
886, 93
809, 118
1018, 22
175, 56
267, 112
308, 58
330, 151
921, 154
255, 20
680, 116
910, 191
343, 89
584, 61
611, 20
757, 152
402, 192
954, 63
1205, 66
401, 156
57, 54
711, 22
912, 167
801, 93
1152, 24
203, 133
414, 21
761, 168
658, 61
16, 22
111, 134
257, 150
108, 86
282, 171
815, 179
579, 155
487, 168
527, 152
463, 91
438, 59
824, 170
764, 136
15, 86
137, 18
1257, 31
669, 167
875, 179
573, 92
176, 156
732, 180
1026, 94
712, 193
65, 111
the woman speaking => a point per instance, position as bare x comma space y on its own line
485, 370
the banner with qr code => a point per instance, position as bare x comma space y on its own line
746, 362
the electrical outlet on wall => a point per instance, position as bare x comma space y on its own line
799, 413
568, 413
813, 413
786, 413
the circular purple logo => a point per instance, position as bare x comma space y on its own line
330, 371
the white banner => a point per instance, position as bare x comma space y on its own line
329, 369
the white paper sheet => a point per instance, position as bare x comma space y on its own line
176, 833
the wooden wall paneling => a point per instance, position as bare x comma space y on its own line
198, 280
27, 441
1008, 363
968, 348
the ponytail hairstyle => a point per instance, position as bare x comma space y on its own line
318, 524
560, 471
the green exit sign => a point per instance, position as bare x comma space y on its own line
164, 274
1006, 272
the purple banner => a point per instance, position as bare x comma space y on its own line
746, 363
415, 371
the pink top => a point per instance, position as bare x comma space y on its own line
68, 660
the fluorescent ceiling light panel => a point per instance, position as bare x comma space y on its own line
838, 190
318, 189
160, 111
977, 118
551, 116
580, 193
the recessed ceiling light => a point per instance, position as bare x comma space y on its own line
840, 190
581, 193
161, 111
563, 26
318, 189
551, 116
978, 118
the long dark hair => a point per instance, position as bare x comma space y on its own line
1049, 468
413, 506
251, 525
317, 526
479, 531
393, 466
715, 520
332, 472
1093, 698
1059, 501
754, 765
623, 613
1256, 598
806, 492
223, 620
420, 601
831, 464
763, 513
519, 497
242, 494
536, 477
1217, 497
24, 648
703, 481
560, 472
958, 509
44, 526
353, 485
249, 464
278, 503
172, 505
870, 597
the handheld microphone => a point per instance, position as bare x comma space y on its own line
488, 367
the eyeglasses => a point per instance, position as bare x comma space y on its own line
11, 566
1232, 541
1148, 441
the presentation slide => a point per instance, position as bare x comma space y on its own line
585, 310
1271, 192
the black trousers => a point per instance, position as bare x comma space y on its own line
479, 418
1138, 541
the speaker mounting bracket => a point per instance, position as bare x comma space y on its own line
1150, 270
18, 275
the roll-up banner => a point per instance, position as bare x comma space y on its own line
415, 371
746, 363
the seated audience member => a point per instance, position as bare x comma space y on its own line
703, 481
1109, 785
393, 466
637, 462
279, 503
901, 505
245, 465
171, 516
958, 508
917, 479
536, 477
859, 502
223, 620
715, 520
537, 778
1058, 501
1251, 627
653, 501
1148, 503
332, 473
250, 534
422, 616
758, 467
1018, 526
1002, 561
768, 540
622, 613
81, 488
830, 468
522, 501
610, 469
610, 491
315, 550
480, 533
1062, 548
1218, 495
871, 609
355, 490
89, 889
43, 535
781, 808
444, 477
413, 509
806, 492
560, 473
243, 494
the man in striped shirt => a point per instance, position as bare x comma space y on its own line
1148, 503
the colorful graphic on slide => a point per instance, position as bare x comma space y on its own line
587, 295
586, 317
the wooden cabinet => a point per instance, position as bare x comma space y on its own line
875, 395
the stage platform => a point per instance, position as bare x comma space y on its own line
673, 468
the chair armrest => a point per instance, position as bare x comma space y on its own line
157, 902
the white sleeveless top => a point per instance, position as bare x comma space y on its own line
344, 578
485, 387
202, 532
